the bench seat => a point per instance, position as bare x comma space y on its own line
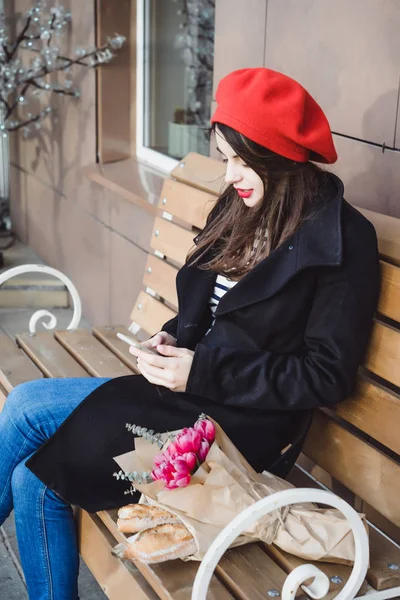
100, 353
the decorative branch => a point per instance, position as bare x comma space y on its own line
18, 83
20, 38
134, 476
147, 434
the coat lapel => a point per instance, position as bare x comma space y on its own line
318, 242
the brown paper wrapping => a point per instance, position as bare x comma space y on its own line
224, 486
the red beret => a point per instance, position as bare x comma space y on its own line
275, 111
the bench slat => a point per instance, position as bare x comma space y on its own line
173, 579
171, 239
201, 172
356, 464
375, 410
107, 335
15, 366
3, 396
382, 553
383, 357
150, 314
161, 279
91, 354
115, 578
186, 203
250, 573
50, 357
389, 301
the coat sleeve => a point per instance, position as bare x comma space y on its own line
170, 327
323, 372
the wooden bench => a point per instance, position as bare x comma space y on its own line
354, 451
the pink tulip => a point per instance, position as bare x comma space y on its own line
170, 450
180, 465
175, 471
191, 460
179, 476
203, 451
188, 441
162, 472
156, 474
180, 481
206, 429
159, 459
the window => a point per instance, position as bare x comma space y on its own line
175, 42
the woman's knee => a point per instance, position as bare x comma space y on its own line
24, 483
29, 491
23, 398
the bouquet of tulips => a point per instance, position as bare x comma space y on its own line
176, 465
197, 484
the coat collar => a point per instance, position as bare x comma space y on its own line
317, 242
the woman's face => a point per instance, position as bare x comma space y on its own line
249, 185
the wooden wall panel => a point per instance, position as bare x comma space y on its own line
116, 82
239, 36
347, 54
371, 177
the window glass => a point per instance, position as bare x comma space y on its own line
178, 75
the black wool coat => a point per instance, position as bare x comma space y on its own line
288, 337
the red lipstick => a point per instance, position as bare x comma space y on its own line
244, 193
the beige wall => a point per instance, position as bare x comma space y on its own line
346, 53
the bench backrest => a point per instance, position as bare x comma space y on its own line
358, 444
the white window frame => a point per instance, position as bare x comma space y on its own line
154, 158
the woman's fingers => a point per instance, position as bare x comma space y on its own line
162, 337
151, 359
172, 372
155, 375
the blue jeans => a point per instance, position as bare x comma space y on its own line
45, 524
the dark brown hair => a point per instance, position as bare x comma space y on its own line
291, 194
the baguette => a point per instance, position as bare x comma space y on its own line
165, 542
139, 517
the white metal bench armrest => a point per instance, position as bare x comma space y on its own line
40, 314
298, 576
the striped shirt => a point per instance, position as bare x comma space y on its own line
222, 285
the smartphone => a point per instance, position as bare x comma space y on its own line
136, 344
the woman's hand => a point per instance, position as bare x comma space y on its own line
162, 337
170, 370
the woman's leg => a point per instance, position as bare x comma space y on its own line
32, 413
46, 537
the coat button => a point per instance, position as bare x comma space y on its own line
291, 247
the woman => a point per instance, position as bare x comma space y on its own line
276, 303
